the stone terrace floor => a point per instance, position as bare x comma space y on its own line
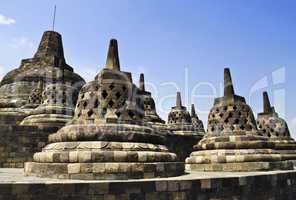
13, 175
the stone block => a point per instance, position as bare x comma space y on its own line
161, 186
74, 168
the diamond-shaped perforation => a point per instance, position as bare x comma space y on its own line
90, 113
118, 95
111, 103
96, 103
104, 94
84, 104
111, 86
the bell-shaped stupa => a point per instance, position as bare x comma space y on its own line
276, 128
107, 138
183, 131
180, 122
57, 107
232, 142
151, 117
47, 65
150, 114
196, 122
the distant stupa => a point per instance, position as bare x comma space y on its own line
232, 142
48, 65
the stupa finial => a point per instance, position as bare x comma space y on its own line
193, 113
112, 57
142, 82
51, 45
54, 17
178, 100
228, 86
266, 103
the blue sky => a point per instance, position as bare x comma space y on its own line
179, 45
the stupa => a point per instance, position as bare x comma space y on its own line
151, 117
180, 121
107, 138
150, 114
57, 107
196, 122
232, 142
276, 128
47, 65
183, 132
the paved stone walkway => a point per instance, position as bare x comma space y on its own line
14, 175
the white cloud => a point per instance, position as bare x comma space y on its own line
21, 43
6, 20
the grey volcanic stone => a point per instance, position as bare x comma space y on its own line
21, 90
233, 142
185, 130
107, 138
276, 128
276, 185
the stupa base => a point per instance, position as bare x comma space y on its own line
286, 144
11, 117
241, 167
240, 160
47, 120
104, 171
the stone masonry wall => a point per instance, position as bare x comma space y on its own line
281, 186
19, 143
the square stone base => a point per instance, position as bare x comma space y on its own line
241, 167
104, 171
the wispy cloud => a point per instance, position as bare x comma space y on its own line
6, 20
21, 43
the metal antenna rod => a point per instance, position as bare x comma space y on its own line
54, 16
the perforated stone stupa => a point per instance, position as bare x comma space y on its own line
184, 130
150, 114
106, 138
180, 121
232, 142
20, 88
57, 108
196, 122
276, 128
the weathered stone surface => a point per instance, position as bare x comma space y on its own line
57, 106
233, 142
150, 114
276, 128
107, 138
48, 66
18, 144
180, 122
184, 130
202, 186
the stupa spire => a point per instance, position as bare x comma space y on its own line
112, 57
142, 82
178, 100
54, 17
228, 86
193, 113
50, 45
266, 103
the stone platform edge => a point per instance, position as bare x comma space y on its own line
194, 186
